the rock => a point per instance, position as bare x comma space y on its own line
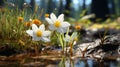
90, 35
108, 47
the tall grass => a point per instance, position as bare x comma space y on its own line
13, 30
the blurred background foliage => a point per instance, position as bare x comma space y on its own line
103, 9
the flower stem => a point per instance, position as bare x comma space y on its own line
60, 37
71, 51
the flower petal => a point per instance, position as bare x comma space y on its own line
52, 27
65, 24
49, 20
36, 39
42, 27
61, 17
67, 38
30, 32
46, 33
53, 17
45, 39
34, 27
60, 30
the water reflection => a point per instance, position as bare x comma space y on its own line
50, 61
68, 62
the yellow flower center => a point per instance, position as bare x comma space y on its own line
39, 33
57, 24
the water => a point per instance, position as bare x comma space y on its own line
64, 62
91, 63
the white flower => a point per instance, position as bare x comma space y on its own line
70, 38
67, 38
57, 24
39, 33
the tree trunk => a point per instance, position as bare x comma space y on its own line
1, 3
50, 6
100, 9
32, 3
61, 7
67, 8
113, 7
21, 4
84, 7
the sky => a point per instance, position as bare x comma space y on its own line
78, 3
